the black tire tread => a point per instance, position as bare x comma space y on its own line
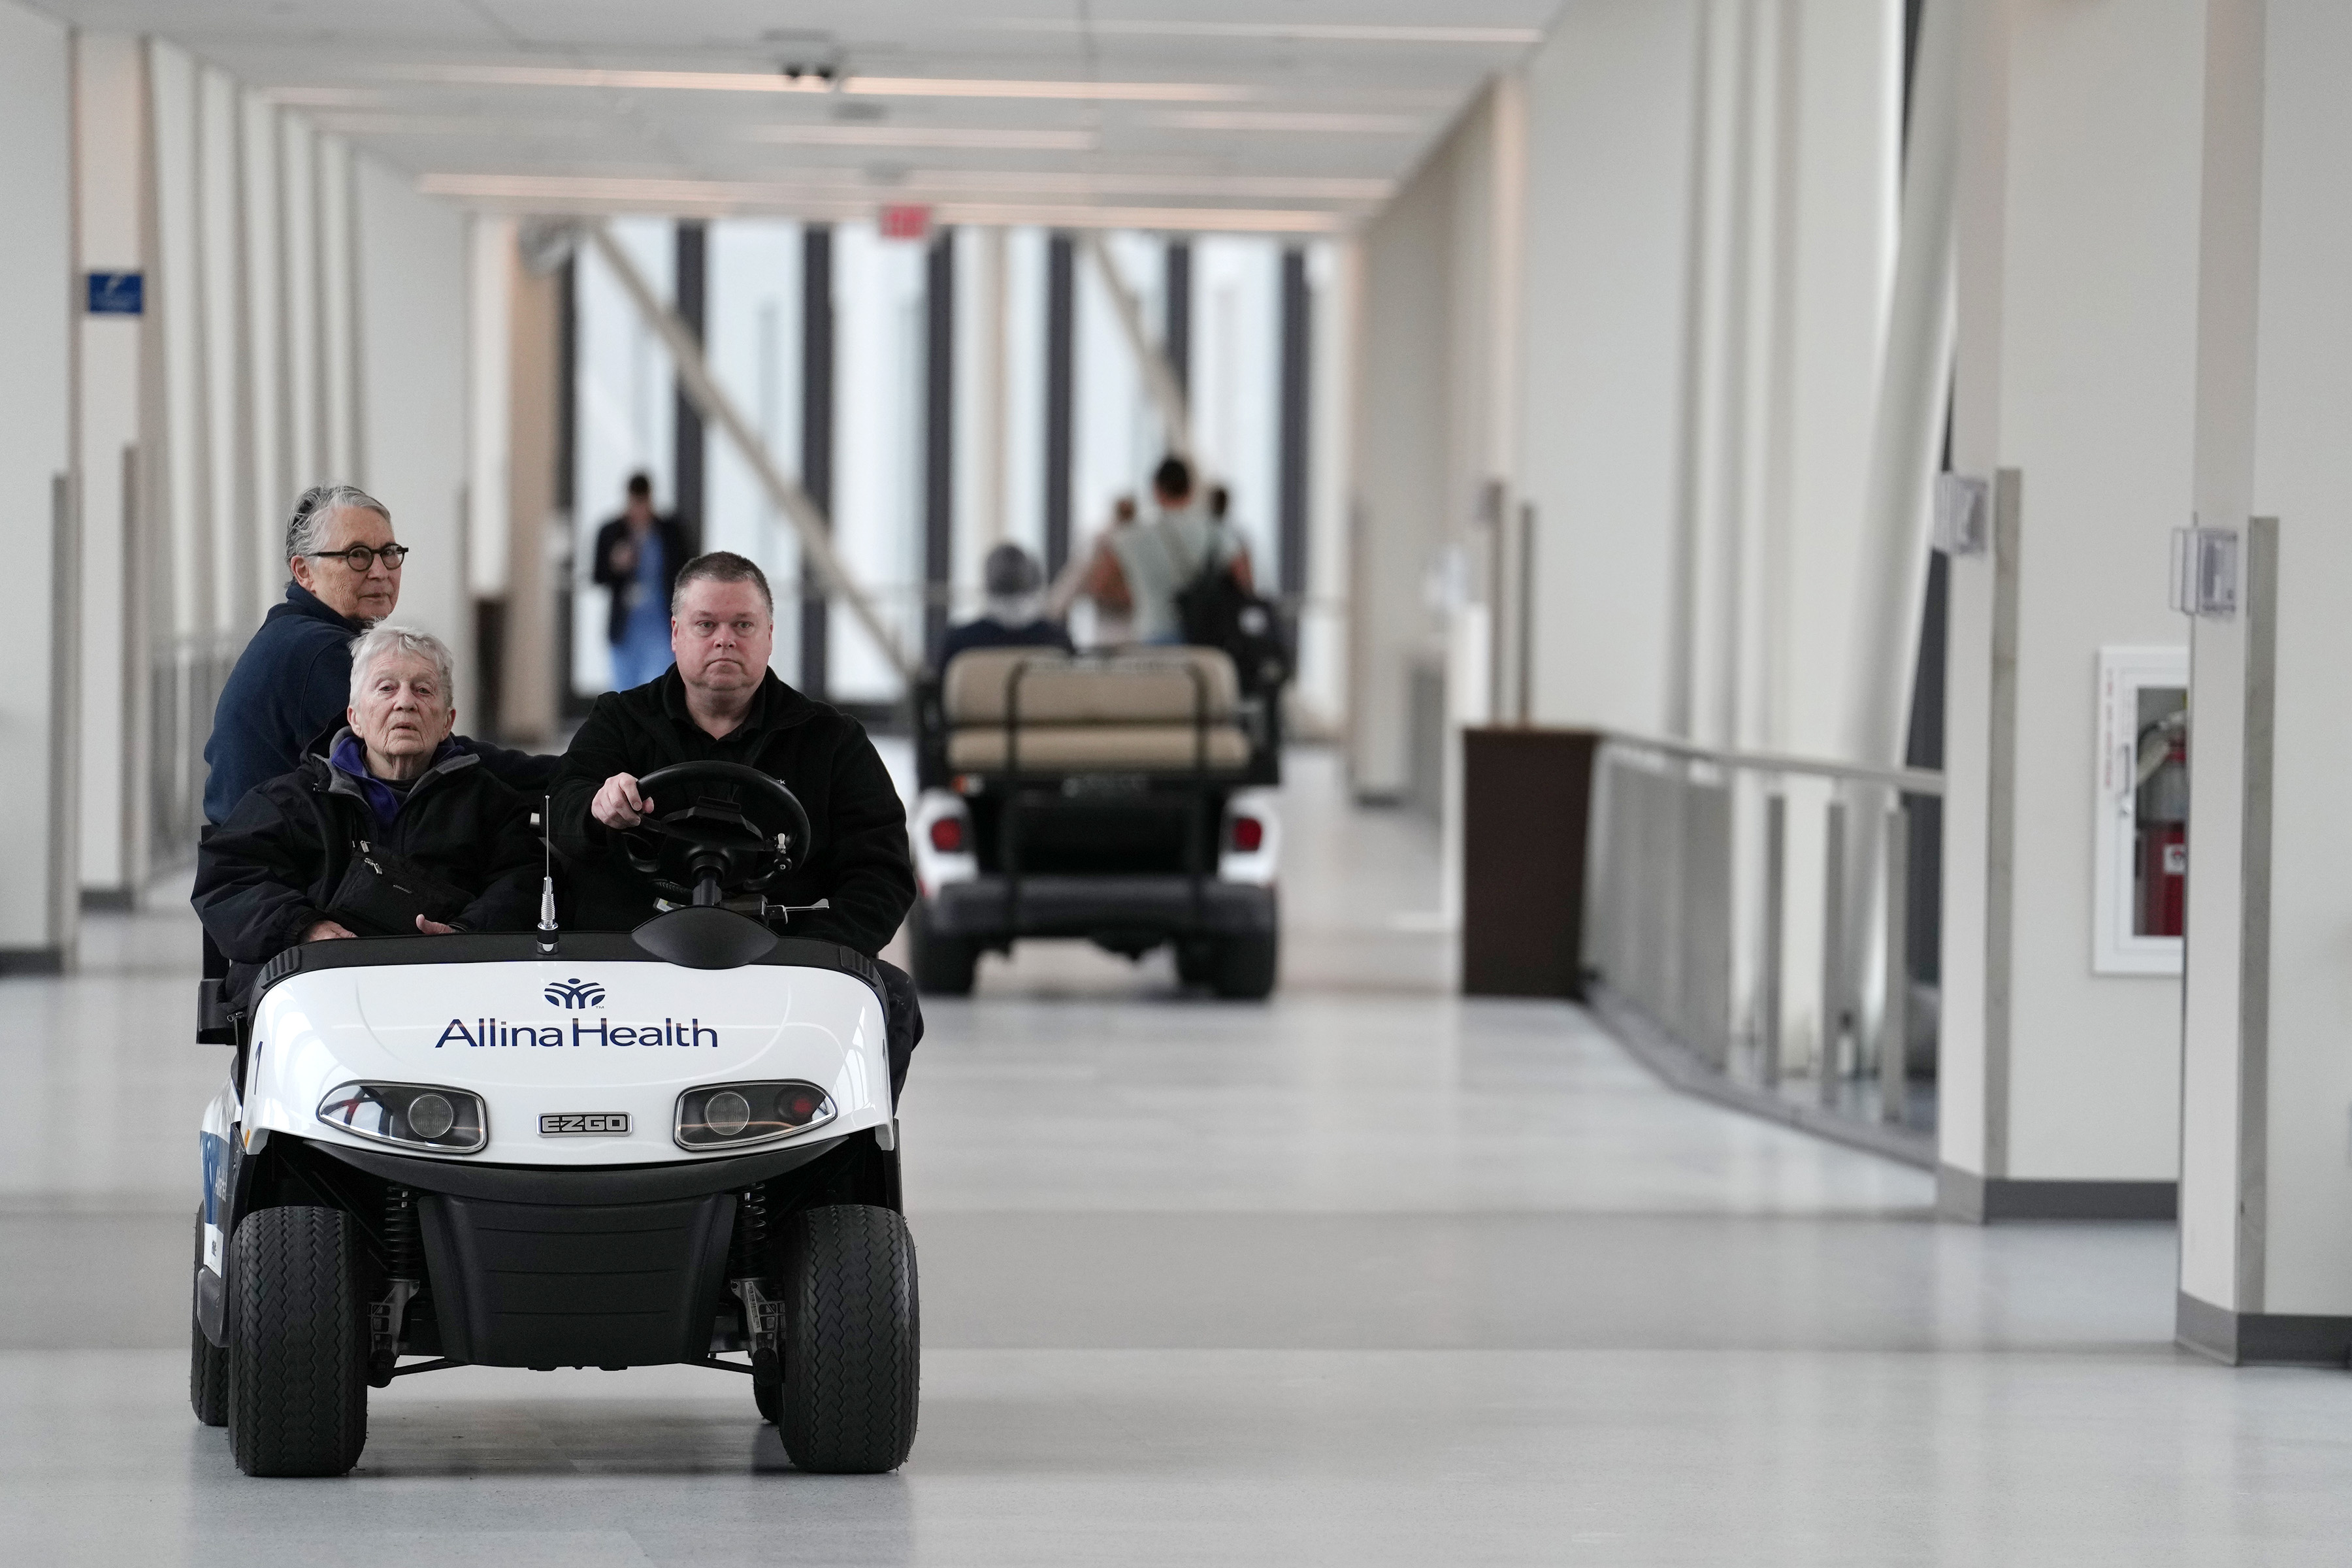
1245, 966
853, 1341
298, 1344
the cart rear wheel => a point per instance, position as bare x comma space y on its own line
1196, 961
944, 965
853, 1340
207, 1363
296, 1344
1245, 966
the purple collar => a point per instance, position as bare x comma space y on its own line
350, 758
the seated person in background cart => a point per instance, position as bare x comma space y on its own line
1015, 616
720, 702
394, 828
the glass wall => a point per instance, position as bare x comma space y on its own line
756, 340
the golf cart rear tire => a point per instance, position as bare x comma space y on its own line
1196, 961
853, 1340
943, 965
1245, 966
296, 1344
207, 1363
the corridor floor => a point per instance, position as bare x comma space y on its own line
1369, 1275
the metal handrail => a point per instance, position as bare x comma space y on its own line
1910, 780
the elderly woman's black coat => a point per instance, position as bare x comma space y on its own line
269, 872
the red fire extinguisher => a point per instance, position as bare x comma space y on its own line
2163, 827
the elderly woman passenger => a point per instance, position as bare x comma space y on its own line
393, 830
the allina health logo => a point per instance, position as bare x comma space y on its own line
576, 997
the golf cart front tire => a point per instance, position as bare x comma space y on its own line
853, 1340
296, 1344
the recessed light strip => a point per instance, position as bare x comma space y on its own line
851, 87
923, 136
1281, 32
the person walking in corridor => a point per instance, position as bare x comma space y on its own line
638, 556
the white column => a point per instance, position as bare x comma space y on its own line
490, 269
110, 200
412, 269
37, 706
2265, 1177
2078, 203
981, 393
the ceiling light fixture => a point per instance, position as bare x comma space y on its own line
1334, 124
951, 137
856, 86
1284, 32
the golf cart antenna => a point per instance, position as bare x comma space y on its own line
547, 874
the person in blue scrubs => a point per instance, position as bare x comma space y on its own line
638, 556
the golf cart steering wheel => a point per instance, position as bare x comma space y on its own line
721, 828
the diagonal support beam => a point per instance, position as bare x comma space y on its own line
808, 519
1158, 377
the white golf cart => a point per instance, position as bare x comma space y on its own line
564, 1148
1127, 797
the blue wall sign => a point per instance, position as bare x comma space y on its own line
118, 294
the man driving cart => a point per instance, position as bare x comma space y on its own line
852, 884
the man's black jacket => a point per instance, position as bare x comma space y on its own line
678, 548
857, 860
269, 872
294, 680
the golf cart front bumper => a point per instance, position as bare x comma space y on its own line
547, 1267
991, 909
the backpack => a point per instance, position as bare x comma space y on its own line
1216, 611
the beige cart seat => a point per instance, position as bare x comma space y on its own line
1131, 713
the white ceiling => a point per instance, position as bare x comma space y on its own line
1286, 115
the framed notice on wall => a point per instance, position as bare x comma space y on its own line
2142, 834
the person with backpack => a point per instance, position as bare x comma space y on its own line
1146, 570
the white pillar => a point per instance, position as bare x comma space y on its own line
38, 704
2078, 203
110, 200
2266, 1273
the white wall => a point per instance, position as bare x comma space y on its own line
1608, 152
109, 103
413, 270
2078, 252
2265, 1183
1423, 260
36, 839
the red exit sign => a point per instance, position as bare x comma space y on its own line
906, 221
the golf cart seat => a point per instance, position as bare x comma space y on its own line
1150, 710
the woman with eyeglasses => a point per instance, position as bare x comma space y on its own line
291, 683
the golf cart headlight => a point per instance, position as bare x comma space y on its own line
412, 1115
727, 1115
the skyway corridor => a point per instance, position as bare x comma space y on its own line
1371, 1275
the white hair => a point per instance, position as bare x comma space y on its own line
378, 641
316, 505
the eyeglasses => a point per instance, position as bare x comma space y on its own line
359, 558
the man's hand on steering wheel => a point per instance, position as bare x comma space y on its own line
619, 805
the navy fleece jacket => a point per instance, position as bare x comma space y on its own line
292, 682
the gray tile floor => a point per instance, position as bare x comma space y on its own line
1371, 1274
